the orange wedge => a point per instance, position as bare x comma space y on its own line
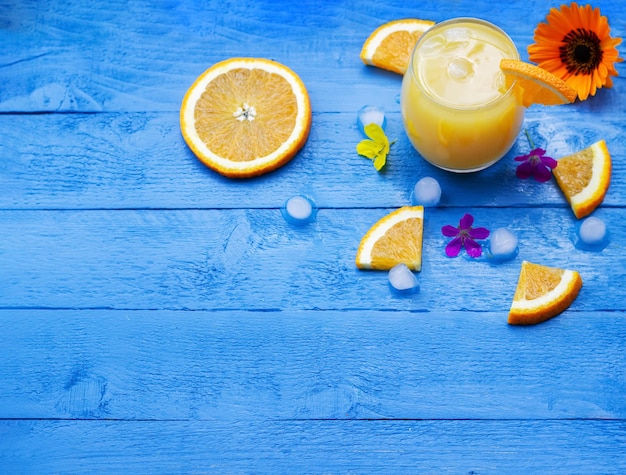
394, 239
246, 116
536, 85
584, 177
542, 293
390, 45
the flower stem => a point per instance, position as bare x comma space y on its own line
530, 140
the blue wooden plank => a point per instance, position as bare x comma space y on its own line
242, 259
286, 447
239, 343
141, 161
138, 56
309, 365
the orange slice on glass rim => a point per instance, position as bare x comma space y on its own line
542, 293
584, 177
243, 117
536, 85
394, 239
390, 45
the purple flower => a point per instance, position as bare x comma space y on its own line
464, 236
535, 164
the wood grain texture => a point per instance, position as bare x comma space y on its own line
284, 447
309, 365
131, 56
158, 318
140, 160
253, 259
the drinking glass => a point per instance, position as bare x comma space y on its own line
457, 109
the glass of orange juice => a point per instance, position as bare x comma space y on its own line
456, 107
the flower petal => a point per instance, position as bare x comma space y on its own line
368, 148
380, 161
556, 43
466, 221
449, 231
549, 162
454, 247
525, 170
522, 158
473, 248
542, 174
478, 233
376, 133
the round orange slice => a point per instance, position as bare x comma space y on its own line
536, 85
584, 177
542, 293
394, 239
391, 44
246, 116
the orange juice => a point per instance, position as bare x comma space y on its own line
456, 108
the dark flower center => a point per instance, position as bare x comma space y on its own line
581, 52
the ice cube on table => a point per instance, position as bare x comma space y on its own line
371, 115
426, 192
503, 244
402, 279
592, 230
299, 210
592, 234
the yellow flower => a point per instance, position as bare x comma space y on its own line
576, 46
377, 147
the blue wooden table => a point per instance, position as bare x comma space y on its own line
157, 317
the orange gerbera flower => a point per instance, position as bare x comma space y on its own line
576, 46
